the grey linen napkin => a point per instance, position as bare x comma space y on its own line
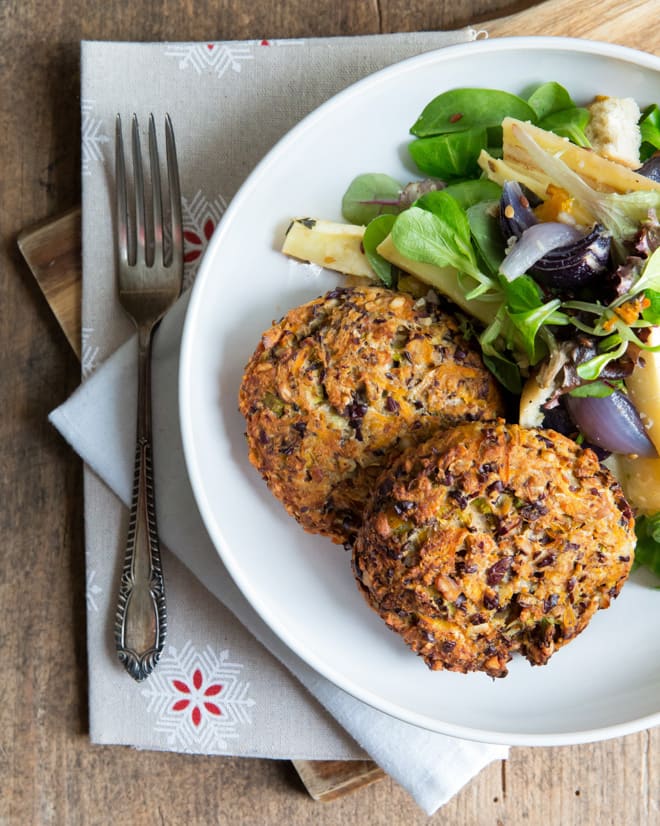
217, 689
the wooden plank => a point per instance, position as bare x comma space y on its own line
329, 779
52, 251
635, 23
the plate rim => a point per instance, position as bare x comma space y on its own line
442, 54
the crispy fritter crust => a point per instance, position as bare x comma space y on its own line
341, 384
490, 539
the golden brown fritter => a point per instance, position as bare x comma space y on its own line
489, 539
341, 384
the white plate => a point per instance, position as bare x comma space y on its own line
606, 682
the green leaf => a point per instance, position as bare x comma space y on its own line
486, 233
468, 193
441, 237
376, 232
549, 98
529, 324
652, 312
569, 123
503, 368
505, 371
370, 195
647, 551
435, 202
627, 333
495, 151
650, 277
649, 125
522, 294
599, 389
461, 109
591, 369
449, 156
527, 312
556, 112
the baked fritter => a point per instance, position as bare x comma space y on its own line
489, 539
341, 384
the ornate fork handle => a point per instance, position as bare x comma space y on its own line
149, 242
141, 621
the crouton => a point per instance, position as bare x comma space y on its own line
613, 129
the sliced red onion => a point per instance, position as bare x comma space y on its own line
577, 263
516, 213
611, 422
535, 242
651, 169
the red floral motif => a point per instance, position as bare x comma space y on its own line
196, 697
194, 243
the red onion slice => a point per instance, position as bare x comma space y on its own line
515, 213
611, 422
651, 169
575, 264
535, 242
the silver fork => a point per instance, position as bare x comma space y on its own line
150, 276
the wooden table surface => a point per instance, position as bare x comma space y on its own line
49, 773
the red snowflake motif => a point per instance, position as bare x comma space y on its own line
198, 699
194, 244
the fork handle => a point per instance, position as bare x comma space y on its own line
141, 620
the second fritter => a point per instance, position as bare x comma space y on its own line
490, 539
342, 384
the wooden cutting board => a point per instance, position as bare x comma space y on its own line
52, 251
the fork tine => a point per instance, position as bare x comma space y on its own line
122, 200
157, 197
174, 194
140, 210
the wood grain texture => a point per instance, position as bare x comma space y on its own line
634, 23
52, 251
329, 779
50, 773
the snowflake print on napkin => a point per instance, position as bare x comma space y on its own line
92, 136
199, 699
92, 591
200, 218
218, 58
90, 352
